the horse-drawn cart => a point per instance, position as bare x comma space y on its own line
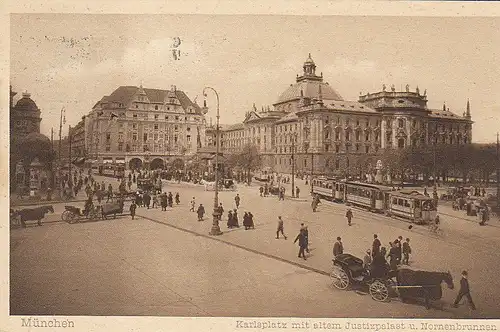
73, 214
382, 283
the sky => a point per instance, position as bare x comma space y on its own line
73, 60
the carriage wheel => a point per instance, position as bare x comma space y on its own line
379, 291
340, 279
64, 215
72, 217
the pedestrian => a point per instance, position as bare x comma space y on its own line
132, 209
280, 228
376, 245
393, 255
237, 200
406, 252
164, 201
464, 291
261, 190
110, 192
246, 221
193, 204
235, 218
304, 229
297, 191
348, 216
155, 201
250, 219
230, 223
302, 244
177, 198
220, 209
338, 247
367, 260
170, 199
315, 203
200, 212
147, 199
400, 249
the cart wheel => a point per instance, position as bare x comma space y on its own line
72, 217
340, 279
379, 291
64, 215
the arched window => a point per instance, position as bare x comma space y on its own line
401, 123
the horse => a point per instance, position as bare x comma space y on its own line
427, 284
112, 208
208, 185
37, 214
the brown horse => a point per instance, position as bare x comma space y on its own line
37, 214
425, 284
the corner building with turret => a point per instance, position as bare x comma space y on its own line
330, 135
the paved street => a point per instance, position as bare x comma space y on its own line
164, 263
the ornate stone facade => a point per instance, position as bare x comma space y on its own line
332, 135
135, 125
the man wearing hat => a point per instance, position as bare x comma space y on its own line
338, 247
464, 291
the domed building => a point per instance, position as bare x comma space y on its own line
312, 125
28, 148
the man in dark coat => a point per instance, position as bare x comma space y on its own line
376, 245
170, 199
147, 199
302, 244
406, 252
348, 215
280, 228
220, 210
338, 247
164, 201
464, 291
132, 209
237, 200
201, 212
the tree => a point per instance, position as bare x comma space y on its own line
248, 159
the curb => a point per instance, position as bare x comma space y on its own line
284, 260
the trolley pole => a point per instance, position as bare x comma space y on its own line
69, 139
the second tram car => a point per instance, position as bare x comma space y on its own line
412, 205
369, 196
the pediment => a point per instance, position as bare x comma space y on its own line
252, 116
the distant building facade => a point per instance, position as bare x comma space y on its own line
137, 126
77, 134
329, 134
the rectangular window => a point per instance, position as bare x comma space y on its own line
135, 115
189, 138
145, 137
134, 137
367, 149
156, 115
175, 139
108, 148
337, 148
134, 126
120, 146
156, 127
108, 136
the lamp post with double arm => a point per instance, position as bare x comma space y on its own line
215, 225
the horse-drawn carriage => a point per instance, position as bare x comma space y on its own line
145, 184
73, 214
19, 217
383, 283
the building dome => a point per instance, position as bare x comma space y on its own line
26, 103
309, 89
309, 85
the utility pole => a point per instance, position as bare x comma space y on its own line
69, 139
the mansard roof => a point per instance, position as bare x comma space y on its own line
125, 94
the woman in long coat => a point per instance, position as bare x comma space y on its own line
201, 212
230, 219
235, 218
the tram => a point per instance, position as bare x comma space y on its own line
410, 205
369, 196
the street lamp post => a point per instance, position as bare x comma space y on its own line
215, 225
293, 138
